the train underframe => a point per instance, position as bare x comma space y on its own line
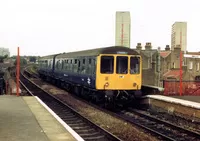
108, 98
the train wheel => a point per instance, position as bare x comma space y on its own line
77, 90
109, 100
110, 104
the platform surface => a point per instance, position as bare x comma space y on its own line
25, 119
189, 98
189, 101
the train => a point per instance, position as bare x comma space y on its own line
110, 74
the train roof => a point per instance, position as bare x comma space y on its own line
97, 51
48, 56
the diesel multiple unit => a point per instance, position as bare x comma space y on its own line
110, 73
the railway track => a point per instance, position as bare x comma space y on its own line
82, 126
30, 74
163, 130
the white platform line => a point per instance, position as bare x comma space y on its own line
176, 100
61, 121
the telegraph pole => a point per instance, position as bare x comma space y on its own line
18, 67
180, 64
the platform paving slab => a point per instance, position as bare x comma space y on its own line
26, 119
17, 122
51, 127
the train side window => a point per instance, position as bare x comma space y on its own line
88, 66
79, 66
135, 65
122, 65
57, 64
62, 64
94, 66
49, 64
71, 65
107, 64
90, 60
75, 66
83, 69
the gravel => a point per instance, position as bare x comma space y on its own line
118, 127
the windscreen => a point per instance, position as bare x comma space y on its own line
107, 64
135, 65
122, 65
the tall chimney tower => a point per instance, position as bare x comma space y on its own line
123, 27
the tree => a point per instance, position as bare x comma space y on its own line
32, 59
3, 57
22, 61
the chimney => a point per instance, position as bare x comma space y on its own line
139, 46
167, 48
148, 46
177, 48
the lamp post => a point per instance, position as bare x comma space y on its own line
180, 64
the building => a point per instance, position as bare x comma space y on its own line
159, 65
189, 74
179, 36
170, 65
150, 64
4, 51
123, 27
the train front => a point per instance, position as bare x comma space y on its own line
119, 75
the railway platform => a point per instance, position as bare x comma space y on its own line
187, 106
25, 118
188, 98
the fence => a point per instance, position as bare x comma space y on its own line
188, 88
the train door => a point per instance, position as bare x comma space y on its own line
122, 75
105, 72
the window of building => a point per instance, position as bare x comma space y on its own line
190, 65
174, 65
197, 66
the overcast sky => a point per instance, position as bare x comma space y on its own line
43, 27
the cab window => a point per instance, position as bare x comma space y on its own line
107, 64
122, 65
135, 65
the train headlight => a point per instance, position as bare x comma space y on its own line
106, 84
134, 84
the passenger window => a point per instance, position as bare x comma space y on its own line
135, 65
107, 64
122, 65
62, 64
90, 61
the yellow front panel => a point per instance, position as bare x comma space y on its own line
117, 81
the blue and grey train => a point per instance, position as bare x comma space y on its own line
110, 73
